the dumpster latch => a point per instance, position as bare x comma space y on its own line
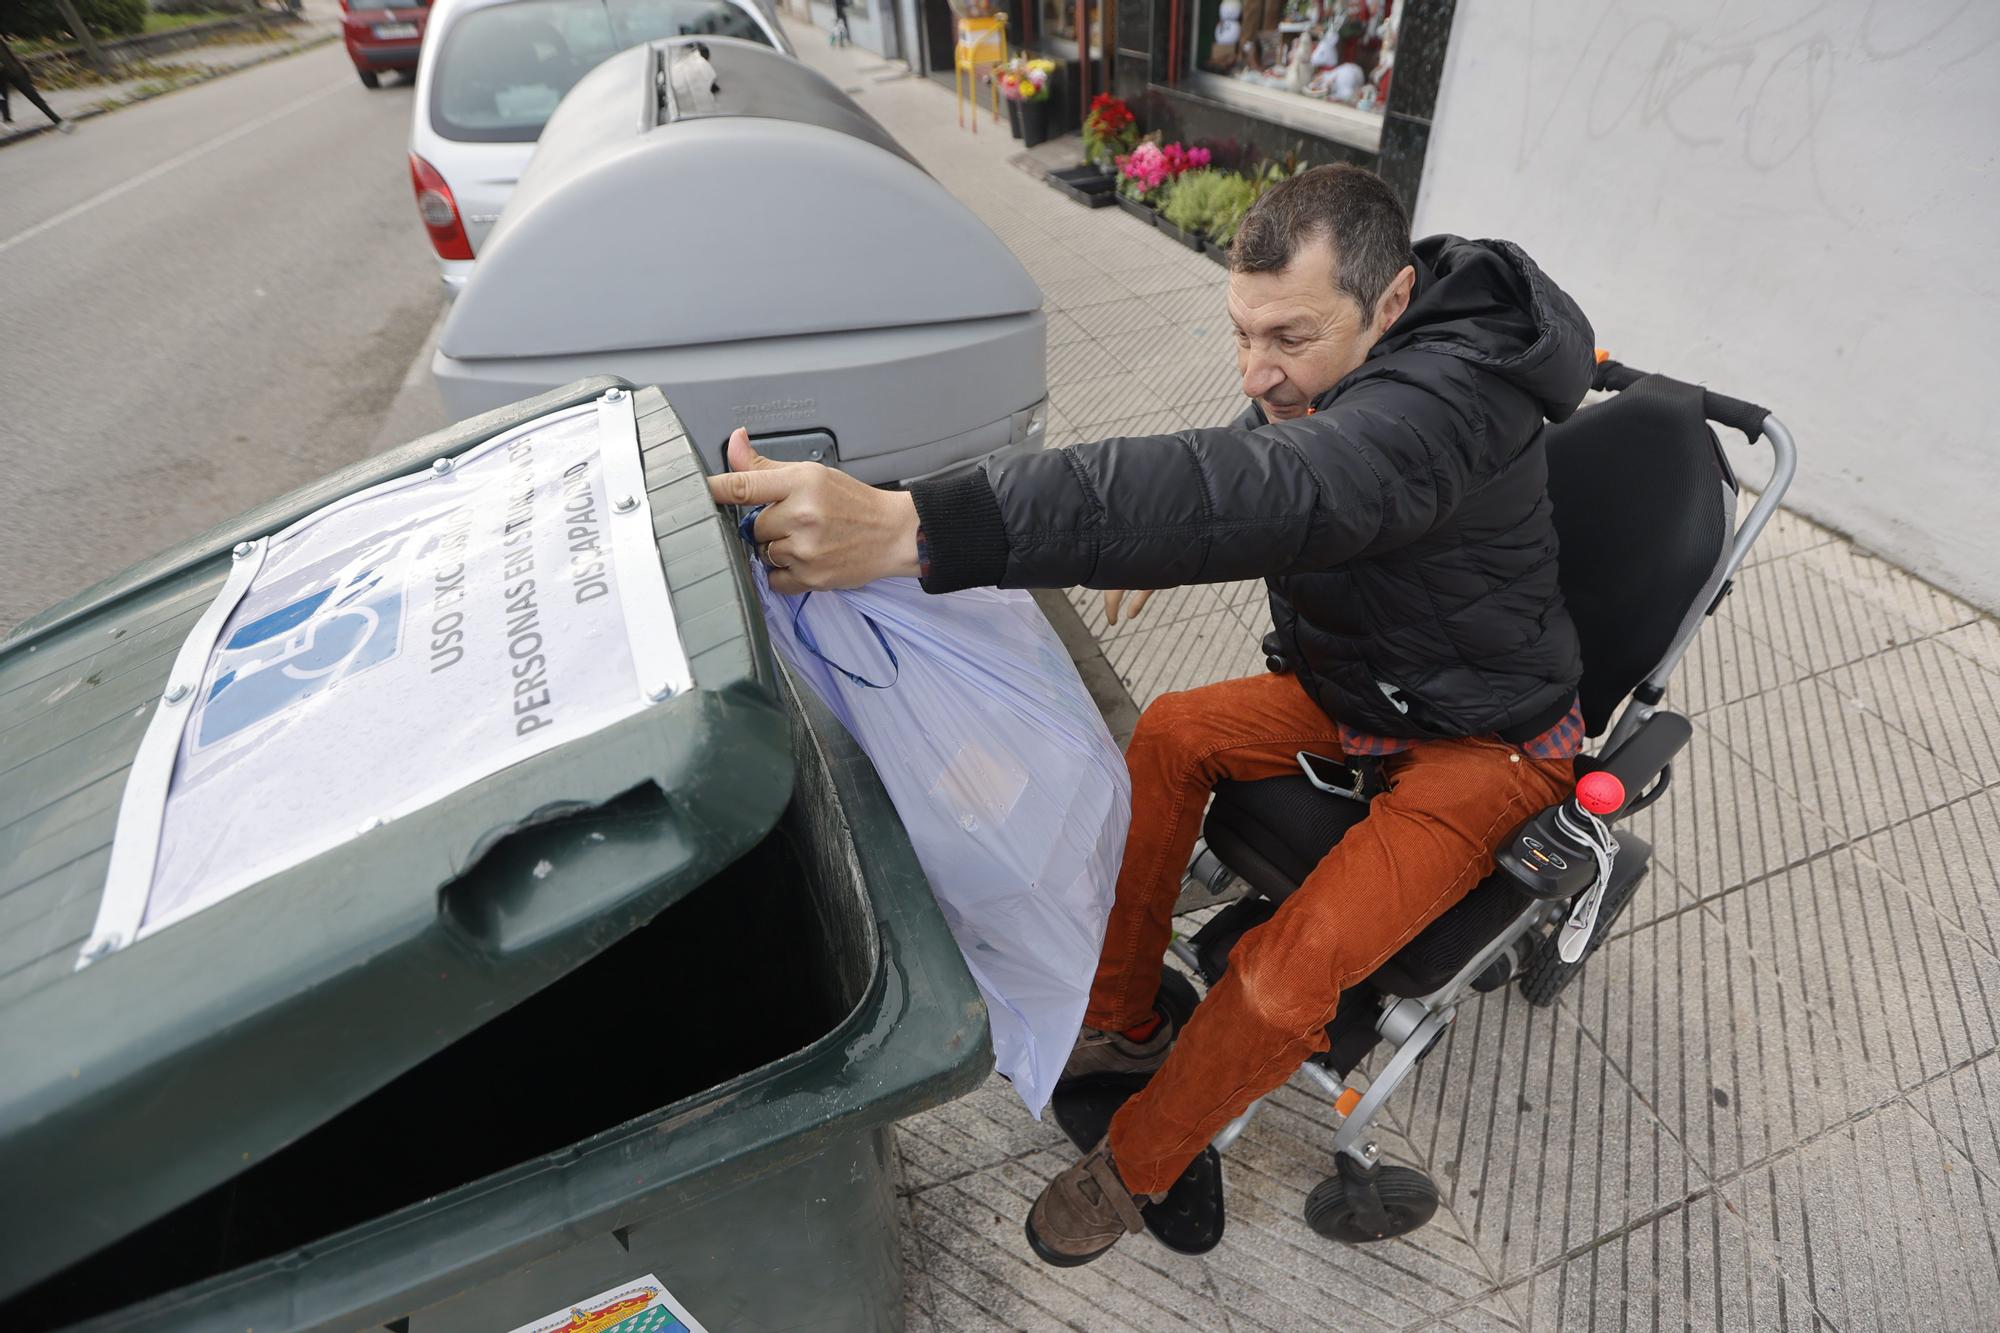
810, 446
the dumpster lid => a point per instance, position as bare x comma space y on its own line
246, 1024
696, 192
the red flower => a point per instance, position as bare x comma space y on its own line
1108, 114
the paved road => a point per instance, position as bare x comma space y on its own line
205, 300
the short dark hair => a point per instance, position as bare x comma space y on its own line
1348, 206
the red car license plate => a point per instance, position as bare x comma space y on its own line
390, 32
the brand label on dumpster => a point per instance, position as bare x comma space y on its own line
643, 1306
391, 648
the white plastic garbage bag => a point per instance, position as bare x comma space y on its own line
1013, 793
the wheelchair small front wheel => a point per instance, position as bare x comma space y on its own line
1409, 1198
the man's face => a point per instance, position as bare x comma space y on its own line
1297, 335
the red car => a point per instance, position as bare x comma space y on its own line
383, 36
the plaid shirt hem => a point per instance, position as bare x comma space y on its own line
1562, 741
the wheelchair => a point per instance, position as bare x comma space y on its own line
1645, 512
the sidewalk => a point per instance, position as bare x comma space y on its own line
1770, 1102
174, 70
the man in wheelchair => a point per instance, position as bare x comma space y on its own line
1391, 482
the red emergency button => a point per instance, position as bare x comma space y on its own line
1600, 792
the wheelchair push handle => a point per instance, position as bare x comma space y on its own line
1735, 413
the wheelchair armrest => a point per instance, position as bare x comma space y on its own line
1644, 755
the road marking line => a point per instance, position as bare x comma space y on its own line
171, 164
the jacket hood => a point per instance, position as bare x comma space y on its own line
1486, 302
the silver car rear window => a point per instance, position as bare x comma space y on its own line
503, 69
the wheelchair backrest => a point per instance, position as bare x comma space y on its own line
1645, 504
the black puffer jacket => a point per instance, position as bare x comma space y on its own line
1404, 528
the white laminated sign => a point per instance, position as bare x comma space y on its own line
391, 648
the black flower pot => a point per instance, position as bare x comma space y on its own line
1219, 253
1013, 116
1034, 122
1084, 185
1143, 212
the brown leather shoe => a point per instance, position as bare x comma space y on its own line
1084, 1211
1099, 1053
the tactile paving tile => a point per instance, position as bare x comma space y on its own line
1726, 663
1824, 748
1813, 618
1120, 316
1081, 360
1880, 1224
1944, 700
1166, 607
1112, 397
1949, 858
1180, 385
1198, 305
1539, 1145
1179, 656
1695, 1268
1733, 1060
1880, 971
1723, 823
1093, 289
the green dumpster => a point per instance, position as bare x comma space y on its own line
643, 1005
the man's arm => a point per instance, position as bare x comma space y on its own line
1201, 506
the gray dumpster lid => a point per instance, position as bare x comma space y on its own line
666, 206
158, 1072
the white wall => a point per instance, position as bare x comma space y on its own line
1795, 201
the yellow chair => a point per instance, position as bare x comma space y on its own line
981, 41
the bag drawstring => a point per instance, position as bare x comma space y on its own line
804, 632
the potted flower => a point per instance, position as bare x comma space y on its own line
1144, 172
1108, 130
1025, 85
1009, 79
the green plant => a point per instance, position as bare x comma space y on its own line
1187, 201
1210, 202
43, 18
1232, 202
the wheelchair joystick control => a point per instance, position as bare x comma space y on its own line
1551, 855
1600, 792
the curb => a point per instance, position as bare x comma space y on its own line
100, 108
145, 45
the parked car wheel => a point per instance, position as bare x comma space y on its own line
369, 78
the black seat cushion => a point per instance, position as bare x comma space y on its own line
1274, 832
1644, 505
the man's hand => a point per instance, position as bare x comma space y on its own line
1114, 598
822, 529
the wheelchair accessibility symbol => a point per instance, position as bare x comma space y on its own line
303, 648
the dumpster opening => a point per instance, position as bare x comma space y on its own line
757, 964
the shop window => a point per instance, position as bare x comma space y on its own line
1335, 54
1058, 26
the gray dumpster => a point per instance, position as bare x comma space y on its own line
732, 228
641, 1006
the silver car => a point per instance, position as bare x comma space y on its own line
493, 70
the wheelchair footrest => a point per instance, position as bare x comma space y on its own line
1189, 1220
